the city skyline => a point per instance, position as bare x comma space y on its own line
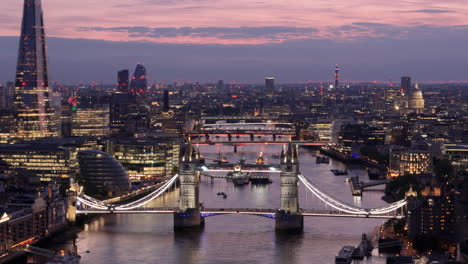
372, 42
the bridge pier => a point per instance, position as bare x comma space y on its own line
289, 222
191, 218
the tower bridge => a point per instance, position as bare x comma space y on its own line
191, 213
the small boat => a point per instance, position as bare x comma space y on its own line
276, 156
345, 256
61, 258
224, 196
260, 159
339, 172
221, 160
71, 258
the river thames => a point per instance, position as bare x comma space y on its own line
115, 239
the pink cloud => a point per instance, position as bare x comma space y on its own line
330, 18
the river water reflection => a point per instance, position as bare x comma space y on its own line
235, 238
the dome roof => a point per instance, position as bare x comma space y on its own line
416, 95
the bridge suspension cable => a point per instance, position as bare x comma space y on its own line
150, 197
341, 206
100, 205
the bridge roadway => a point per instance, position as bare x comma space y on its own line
248, 124
207, 212
244, 167
244, 132
257, 141
261, 118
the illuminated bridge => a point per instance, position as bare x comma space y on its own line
191, 213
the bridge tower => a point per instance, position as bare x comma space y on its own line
72, 199
188, 214
289, 216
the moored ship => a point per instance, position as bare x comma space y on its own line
239, 177
345, 256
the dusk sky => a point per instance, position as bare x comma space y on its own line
246, 40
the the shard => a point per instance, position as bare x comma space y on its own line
139, 83
35, 116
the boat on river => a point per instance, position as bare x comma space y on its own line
221, 160
345, 256
260, 159
339, 172
239, 177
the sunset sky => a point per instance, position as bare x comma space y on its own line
297, 40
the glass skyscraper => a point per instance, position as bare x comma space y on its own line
139, 83
35, 116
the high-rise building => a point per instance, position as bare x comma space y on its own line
270, 85
166, 100
139, 83
3, 97
405, 84
220, 86
337, 77
122, 81
35, 116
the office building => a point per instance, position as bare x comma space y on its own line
147, 158
45, 161
405, 84
410, 161
122, 81
36, 117
139, 83
166, 101
101, 174
269, 85
91, 121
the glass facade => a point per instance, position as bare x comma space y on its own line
91, 122
35, 116
44, 161
410, 162
101, 174
146, 158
